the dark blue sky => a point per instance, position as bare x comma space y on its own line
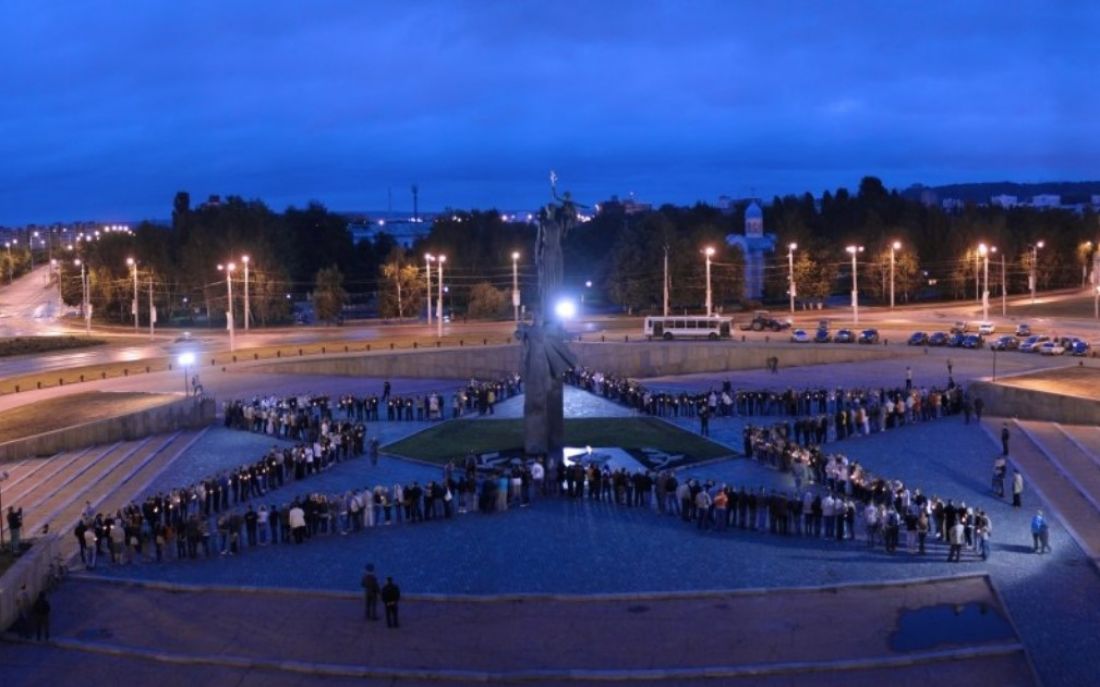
107, 109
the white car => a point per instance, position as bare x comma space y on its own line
1051, 348
800, 336
986, 328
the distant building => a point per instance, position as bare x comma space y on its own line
627, 206
754, 245
1046, 200
405, 231
725, 205
1004, 201
1095, 201
953, 204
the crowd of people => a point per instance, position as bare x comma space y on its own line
298, 417
833, 498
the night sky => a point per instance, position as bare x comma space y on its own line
108, 109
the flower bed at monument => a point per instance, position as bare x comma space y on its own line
453, 440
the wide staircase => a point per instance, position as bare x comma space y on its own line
1062, 464
56, 490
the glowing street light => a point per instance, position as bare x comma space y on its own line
428, 260
247, 309
855, 251
515, 286
983, 250
791, 248
228, 269
186, 360
709, 252
894, 248
85, 307
1033, 277
134, 306
565, 309
439, 304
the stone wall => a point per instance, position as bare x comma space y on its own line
31, 569
1032, 404
638, 359
186, 413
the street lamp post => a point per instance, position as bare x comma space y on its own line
791, 248
1034, 276
515, 286
228, 269
152, 310
855, 251
983, 250
894, 248
709, 252
428, 260
1096, 303
11, 264
133, 268
85, 312
439, 304
186, 360
247, 307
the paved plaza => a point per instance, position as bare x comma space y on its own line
559, 546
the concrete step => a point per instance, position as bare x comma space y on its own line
1060, 492
1087, 438
97, 492
48, 479
129, 482
75, 489
133, 485
1068, 457
22, 471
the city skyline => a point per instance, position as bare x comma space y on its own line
346, 103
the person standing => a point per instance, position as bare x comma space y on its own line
15, 525
955, 538
1017, 488
391, 595
1038, 524
40, 613
370, 592
1004, 439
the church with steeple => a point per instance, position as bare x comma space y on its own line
754, 245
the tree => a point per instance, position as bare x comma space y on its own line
814, 280
329, 295
402, 287
488, 302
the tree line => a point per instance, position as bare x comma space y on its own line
615, 260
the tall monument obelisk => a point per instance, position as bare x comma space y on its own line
545, 354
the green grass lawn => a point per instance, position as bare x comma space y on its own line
452, 440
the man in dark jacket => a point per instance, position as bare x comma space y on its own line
391, 594
370, 592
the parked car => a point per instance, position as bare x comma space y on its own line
844, 336
961, 327
1005, 343
972, 341
800, 336
822, 336
868, 336
1051, 348
1023, 329
986, 328
918, 339
1031, 344
1079, 347
938, 339
956, 340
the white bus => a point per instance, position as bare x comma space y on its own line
688, 326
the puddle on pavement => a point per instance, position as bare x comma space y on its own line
925, 628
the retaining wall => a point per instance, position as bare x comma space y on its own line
186, 413
31, 569
1031, 404
640, 359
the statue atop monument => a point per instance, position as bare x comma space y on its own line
545, 354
